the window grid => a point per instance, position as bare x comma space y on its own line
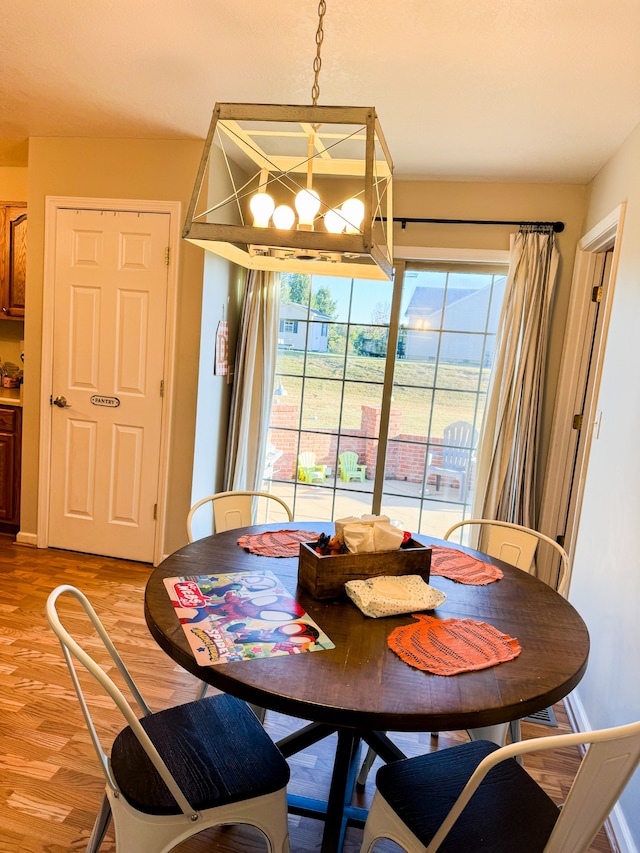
353, 346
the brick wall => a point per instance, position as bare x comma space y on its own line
405, 461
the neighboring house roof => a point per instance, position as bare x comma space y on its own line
295, 311
426, 300
428, 305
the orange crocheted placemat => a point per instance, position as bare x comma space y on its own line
277, 543
458, 566
450, 646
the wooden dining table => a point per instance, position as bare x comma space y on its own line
360, 688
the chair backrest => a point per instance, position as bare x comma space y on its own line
72, 650
349, 460
459, 439
233, 509
515, 544
307, 459
610, 760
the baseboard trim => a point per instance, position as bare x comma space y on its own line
27, 539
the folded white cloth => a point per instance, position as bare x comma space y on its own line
388, 596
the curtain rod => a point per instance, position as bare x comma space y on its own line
557, 226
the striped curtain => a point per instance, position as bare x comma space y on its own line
510, 437
255, 365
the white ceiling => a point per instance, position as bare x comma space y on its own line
534, 90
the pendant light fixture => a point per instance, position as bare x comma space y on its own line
304, 189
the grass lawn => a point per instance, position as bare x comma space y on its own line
452, 391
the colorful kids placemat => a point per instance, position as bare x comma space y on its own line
242, 616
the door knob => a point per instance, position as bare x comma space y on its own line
61, 402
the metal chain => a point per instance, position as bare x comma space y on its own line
317, 62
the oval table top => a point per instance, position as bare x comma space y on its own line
361, 683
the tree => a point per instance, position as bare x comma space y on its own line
373, 341
381, 313
295, 287
370, 342
322, 301
337, 335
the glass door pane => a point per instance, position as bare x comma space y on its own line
442, 365
329, 388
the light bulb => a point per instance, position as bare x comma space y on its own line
353, 212
261, 205
334, 221
307, 204
283, 217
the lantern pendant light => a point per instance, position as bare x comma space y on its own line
304, 189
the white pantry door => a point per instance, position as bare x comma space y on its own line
110, 306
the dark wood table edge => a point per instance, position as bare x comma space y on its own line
354, 718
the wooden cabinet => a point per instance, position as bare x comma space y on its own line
10, 458
13, 259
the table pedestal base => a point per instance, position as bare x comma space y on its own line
337, 812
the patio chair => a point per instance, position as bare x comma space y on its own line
173, 773
458, 445
308, 471
477, 797
271, 457
349, 468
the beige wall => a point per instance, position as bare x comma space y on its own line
605, 586
117, 169
530, 202
165, 170
222, 291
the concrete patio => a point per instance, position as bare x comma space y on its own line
430, 513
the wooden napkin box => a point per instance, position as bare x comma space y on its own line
325, 576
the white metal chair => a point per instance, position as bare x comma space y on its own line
233, 509
173, 773
477, 797
515, 545
230, 511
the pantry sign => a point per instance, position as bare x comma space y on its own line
109, 402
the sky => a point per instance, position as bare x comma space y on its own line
368, 295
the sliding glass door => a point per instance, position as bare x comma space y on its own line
447, 325
380, 391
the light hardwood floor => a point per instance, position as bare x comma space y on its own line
50, 785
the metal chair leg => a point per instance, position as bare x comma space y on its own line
367, 764
260, 713
100, 826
